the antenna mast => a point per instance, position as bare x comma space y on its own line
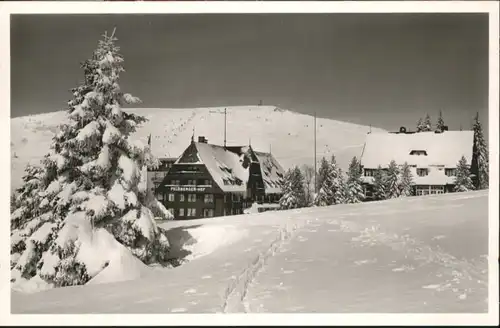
315, 179
225, 123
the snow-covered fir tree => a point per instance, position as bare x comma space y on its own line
406, 181
91, 189
420, 125
463, 181
293, 190
324, 167
392, 180
379, 184
427, 124
440, 122
353, 189
479, 165
330, 190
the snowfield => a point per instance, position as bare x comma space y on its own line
287, 134
424, 254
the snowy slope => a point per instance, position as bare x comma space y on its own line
419, 254
289, 135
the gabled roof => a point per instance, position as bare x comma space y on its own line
272, 172
229, 166
226, 167
443, 149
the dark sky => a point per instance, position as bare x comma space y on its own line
381, 69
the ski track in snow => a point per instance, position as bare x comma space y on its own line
235, 294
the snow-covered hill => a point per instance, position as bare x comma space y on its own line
289, 135
425, 254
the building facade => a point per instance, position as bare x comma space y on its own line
158, 173
432, 157
210, 180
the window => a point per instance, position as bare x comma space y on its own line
207, 182
437, 190
235, 197
208, 212
176, 182
192, 198
191, 212
171, 197
368, 172
191, 183
418, 152
160, 196
172, 211
422, 172
450, 172
183, 198
225, 198
181, 212
422, 190
209, 198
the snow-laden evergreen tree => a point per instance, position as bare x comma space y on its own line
479, 165
340, 194
427, 124
330, 190
440, 122
420, 125
392, 180
406, 182
293, 190
463, 181
91, 189
353, 190
379, 184
324, 167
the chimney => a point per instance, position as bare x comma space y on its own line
202, 139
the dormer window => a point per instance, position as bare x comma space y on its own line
418, 152
450, 172
422, 172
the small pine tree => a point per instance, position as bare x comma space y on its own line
340, 195
463, 181
329, 190
293, 190
427, 124
379, 184
324, 167
353, 186
406, 182
440, 122
479, 165
420, 125
393, 180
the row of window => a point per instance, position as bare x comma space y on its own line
191, 212
429, 190
421, 172
207, 212
191, 198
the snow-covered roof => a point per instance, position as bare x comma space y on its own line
225, 167
443, 149
229, 167
271, 171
